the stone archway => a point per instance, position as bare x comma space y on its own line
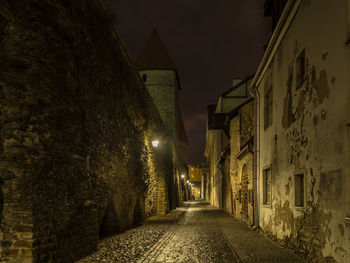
110, 223
244, 193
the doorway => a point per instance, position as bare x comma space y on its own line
244, 193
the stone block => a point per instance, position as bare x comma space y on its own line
24, 243
10, 252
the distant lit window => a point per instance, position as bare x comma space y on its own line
299, 190
300, 69
144, 77
267, 186
268, 108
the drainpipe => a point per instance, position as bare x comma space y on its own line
255, 93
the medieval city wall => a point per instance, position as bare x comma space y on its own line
76, 125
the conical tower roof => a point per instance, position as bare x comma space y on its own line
154, 54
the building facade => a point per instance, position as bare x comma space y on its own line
195, 173
241, 161
223, 143
215, 139
302, 130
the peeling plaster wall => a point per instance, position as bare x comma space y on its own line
309, 135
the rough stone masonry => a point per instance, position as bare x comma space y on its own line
75, 129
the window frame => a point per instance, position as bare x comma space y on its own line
268, 107
267, 201
144, 77
300, 64
301, 194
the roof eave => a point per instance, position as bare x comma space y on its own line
245, 80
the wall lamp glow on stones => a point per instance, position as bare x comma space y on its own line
155, 143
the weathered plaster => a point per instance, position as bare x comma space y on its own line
306, 136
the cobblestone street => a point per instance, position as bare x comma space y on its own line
197, 232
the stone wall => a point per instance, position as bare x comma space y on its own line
162, 86
76, 124
241, 167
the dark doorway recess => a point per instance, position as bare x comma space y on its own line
109, 225
138, 213
245, 193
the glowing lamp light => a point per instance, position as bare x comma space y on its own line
182, 176
155, 143
188, 181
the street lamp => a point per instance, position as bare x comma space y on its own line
155, 143
188, 181
182, 176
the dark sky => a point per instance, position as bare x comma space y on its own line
210, 41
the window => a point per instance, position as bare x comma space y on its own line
268, 108
300, 69
267, 186
144, 77
299, 190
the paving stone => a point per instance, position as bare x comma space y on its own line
197, 233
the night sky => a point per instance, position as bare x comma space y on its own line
210, 41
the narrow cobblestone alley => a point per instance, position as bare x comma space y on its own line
197, 232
